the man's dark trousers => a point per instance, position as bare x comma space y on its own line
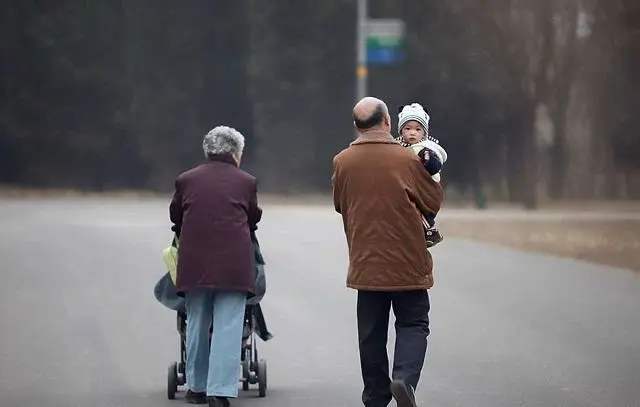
411, 309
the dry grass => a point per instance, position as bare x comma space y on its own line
614, 242
16, 192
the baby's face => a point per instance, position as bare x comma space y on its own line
412, 132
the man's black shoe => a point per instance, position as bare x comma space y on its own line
195, 397
218, 401
403, 394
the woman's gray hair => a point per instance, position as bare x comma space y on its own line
223, 140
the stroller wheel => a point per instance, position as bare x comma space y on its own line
246, 364
246, 368
182, 376
262, 378
172, 381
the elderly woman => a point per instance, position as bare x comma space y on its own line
214, 210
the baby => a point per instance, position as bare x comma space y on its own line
413, 130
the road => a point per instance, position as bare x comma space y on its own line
79, 325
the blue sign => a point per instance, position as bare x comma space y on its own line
385, 55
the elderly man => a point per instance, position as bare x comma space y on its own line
214, 209
381, 189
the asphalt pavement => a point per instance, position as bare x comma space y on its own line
79, 325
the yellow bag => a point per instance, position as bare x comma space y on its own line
170, 258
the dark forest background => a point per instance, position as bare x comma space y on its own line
534, 100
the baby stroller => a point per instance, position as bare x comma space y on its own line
254, 370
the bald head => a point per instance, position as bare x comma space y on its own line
371, 113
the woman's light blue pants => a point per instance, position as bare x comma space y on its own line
216, 368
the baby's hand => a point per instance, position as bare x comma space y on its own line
430, 161
424, 155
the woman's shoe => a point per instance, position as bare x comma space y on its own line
218, 401
195, 397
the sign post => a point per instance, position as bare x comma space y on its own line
378, 42
361, 68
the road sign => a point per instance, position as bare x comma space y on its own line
385, 56
385, 41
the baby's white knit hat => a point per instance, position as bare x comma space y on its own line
416, 112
